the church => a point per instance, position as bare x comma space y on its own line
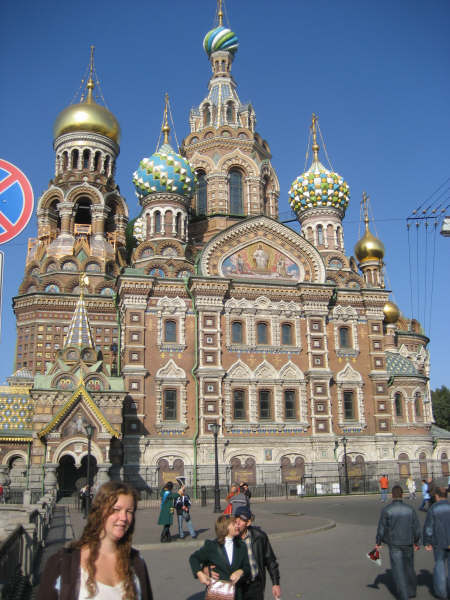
207, 311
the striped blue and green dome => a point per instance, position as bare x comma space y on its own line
318, 187
220, 38
164, 171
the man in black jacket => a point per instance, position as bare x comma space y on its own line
399, 528
260, 556
436, 537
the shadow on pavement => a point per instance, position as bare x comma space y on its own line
424, 579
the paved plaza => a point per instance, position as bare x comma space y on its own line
320, 543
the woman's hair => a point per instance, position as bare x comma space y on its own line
222, 527
102, 508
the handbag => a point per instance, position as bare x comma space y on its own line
187, 516
220, 590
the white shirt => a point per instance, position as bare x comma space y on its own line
229, 545
104, 592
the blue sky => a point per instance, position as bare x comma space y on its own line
376, 73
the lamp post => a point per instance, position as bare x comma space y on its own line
89, 432
215, 429
347, 486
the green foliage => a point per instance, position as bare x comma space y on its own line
440, 399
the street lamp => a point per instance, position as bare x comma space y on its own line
215, 429
89, 432
347, 486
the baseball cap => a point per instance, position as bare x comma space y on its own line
244, 513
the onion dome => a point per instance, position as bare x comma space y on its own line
220, 38
87, 116
391, 312
369, 247
164, 171
318, 187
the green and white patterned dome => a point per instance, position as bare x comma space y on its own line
220, 38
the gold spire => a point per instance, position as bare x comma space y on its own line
165, 128
315, 145
90, 84
369, 247
220, 12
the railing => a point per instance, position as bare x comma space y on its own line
20, 550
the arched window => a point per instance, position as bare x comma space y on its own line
170, 331
398, 405
202, 193
238, 404
236, 193
75, 156
344, 337
289, 404
97, 156
230, 112
148, 225
266, 196
178, 223
157, 221
86, 157
444, 465
262, 333
65, 160
349, 405
418, 404
206, 115
170, 405
236, 332
320, 240
286, 334
265, 411
83, 211
403, 466
423, 465
106, 166
338, 237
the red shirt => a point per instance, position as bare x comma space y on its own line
384, 483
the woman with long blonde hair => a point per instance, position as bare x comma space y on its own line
102, 564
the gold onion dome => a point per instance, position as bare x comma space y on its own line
87, 115
369, 247
391, 312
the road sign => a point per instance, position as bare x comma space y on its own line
16, 201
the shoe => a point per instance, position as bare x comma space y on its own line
193, 537
181, 537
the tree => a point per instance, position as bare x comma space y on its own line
440, 400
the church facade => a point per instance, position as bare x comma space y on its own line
206, 310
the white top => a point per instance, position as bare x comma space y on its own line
105, 592
228, 549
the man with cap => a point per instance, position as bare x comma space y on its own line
260, 556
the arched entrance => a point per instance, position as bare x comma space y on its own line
246, 472
169, 473
72, 478
356, 471
17, 471
292, 471
403, 466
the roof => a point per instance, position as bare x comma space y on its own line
399, 365
16, 413
438, 432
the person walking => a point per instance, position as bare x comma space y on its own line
183, 509
226, 554
411, 485
166, 510
234, 489
399, 529
102, 563
436, 537
425, 495
384, 487
238, 500
246, 490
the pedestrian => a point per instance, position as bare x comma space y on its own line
425, 495
399, 529
227, 554
238, 500
260, 556
234, 489
411, 485
384, 487
436, 537
102, 563
247, 492
183, 509
166, 510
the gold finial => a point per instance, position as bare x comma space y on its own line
315, 145
219, 12
90, 84
165, 127
365, 206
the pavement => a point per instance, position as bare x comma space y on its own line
320, 543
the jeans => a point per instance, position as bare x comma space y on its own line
181, 518
402, 565
441, 579
384, 494
424, 501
